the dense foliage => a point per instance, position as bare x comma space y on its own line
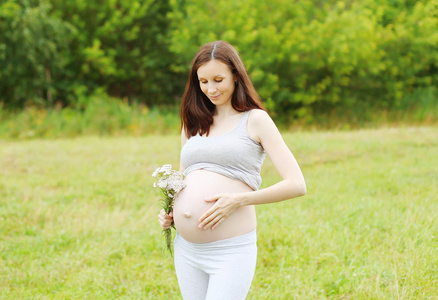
62, 51
303, 56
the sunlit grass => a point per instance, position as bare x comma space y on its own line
78, 219
106, 116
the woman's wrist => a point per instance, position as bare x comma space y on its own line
244, 199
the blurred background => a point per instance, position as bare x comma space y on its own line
72, 67
89, 108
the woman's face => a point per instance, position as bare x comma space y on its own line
216, 82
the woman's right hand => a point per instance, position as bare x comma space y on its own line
165, 220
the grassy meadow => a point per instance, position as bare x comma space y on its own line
78, 218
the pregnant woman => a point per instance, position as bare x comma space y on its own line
226, 134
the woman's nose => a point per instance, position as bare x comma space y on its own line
211, 89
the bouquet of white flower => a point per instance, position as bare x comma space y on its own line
170, 182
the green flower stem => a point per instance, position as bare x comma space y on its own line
168, 236
167, 205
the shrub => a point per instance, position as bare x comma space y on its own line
305, 56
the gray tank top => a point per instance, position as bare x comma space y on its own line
234, 154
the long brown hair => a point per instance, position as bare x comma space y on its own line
196, 109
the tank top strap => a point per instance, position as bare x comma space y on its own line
241, 127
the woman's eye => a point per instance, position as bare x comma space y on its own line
216, 80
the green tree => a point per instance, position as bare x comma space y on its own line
315, 55
64, 51
121, 46
33, 53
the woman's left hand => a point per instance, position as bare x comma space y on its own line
225, 205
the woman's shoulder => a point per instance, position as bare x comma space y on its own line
258, 122
259, 116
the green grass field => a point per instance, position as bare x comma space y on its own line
78, 219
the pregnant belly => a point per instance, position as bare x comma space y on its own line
190, 205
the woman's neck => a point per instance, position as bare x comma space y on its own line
225, 111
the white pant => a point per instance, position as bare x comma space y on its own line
220, 270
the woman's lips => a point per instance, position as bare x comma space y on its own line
214, 97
